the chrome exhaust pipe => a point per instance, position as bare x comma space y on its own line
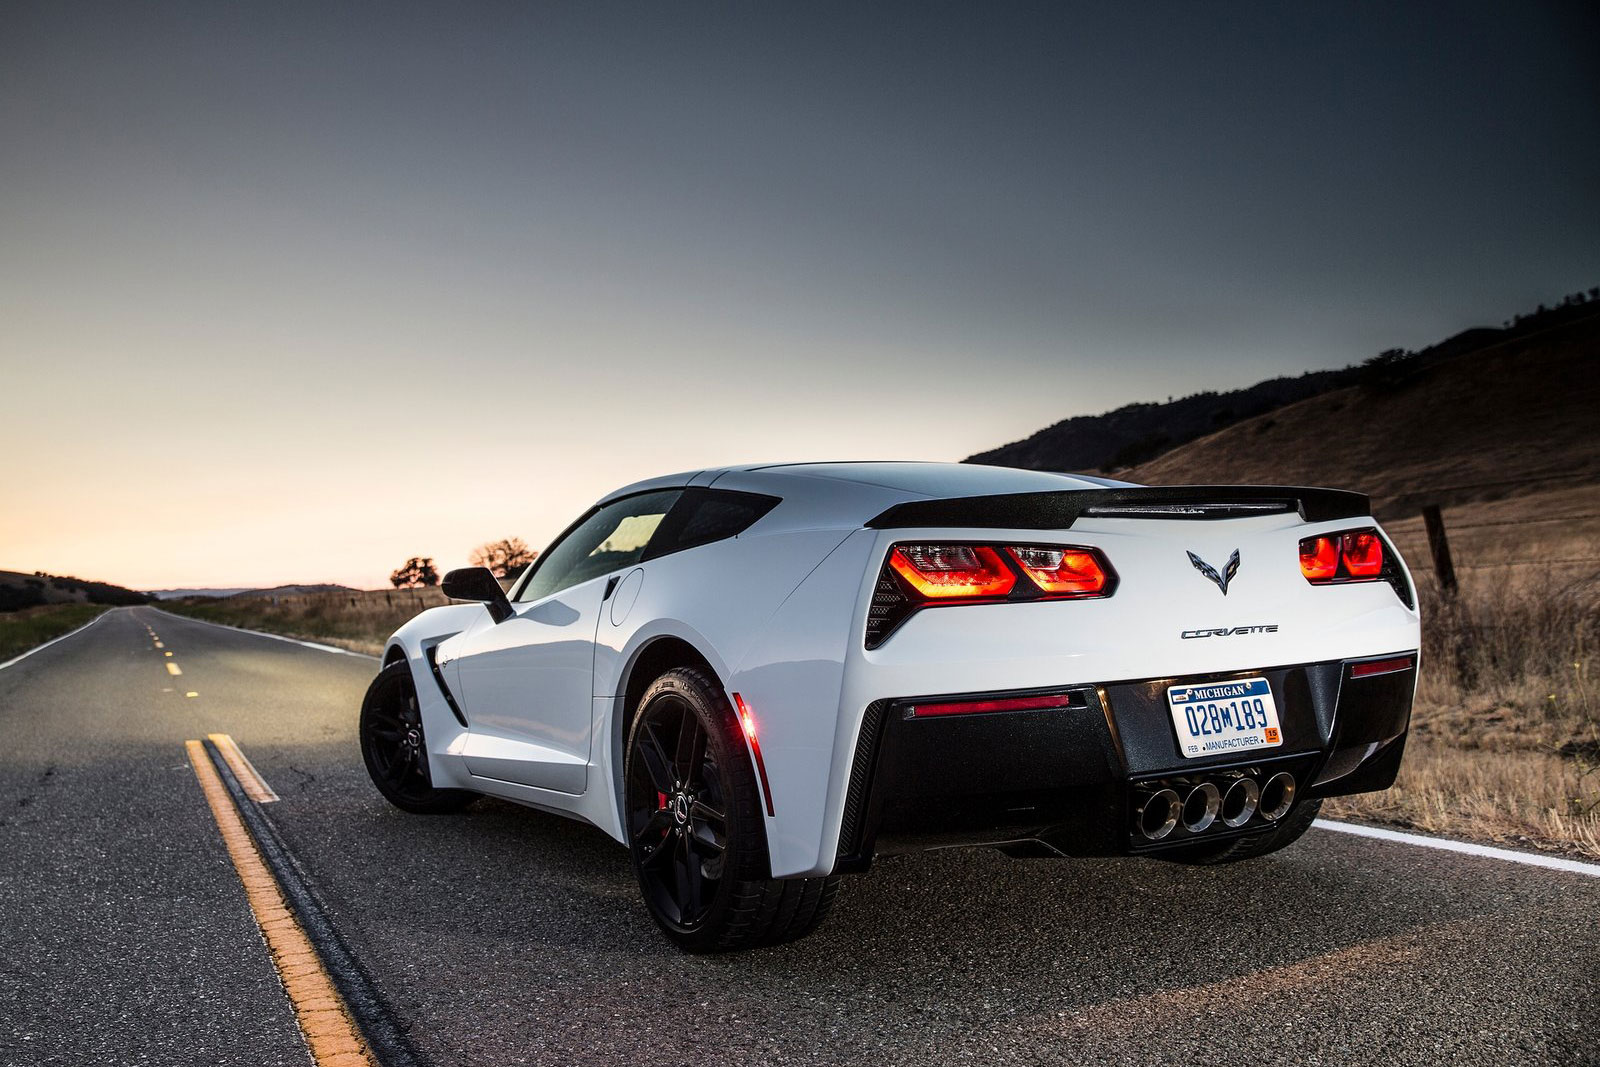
1200, 807
1277, 796
1158, 814
1240, 802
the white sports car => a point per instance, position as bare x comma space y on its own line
759, 678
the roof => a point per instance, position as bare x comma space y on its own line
874, 483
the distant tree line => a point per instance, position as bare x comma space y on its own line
507, 558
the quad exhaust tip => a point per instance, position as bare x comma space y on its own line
1200, 807
1277, 796
1240, 802
1229, 802
1159, 814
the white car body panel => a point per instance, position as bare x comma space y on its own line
778, 613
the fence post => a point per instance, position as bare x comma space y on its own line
1439, 547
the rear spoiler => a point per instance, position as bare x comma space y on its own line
1059, 510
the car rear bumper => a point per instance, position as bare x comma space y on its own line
1071, 779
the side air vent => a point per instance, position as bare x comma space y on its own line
444, 690
890, 606
856, 798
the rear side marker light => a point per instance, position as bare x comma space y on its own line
1374, 667
977, 707
747, 723
1063, 571
942, 572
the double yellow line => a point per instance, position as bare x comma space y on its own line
330, 1032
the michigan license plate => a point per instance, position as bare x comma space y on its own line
1221, 717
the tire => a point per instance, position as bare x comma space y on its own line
1287, 831
395, 749
693, 814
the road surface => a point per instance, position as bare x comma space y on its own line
506, 936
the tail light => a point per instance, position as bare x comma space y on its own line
1063, 571
1319, 558
922, 574
1353, 556
942, 572
1362, 554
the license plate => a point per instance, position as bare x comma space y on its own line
1221, 717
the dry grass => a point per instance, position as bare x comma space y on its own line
25, 629
359, 621
1505, 738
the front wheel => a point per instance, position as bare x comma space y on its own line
395, 749
694, 820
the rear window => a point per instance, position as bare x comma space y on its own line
702, 516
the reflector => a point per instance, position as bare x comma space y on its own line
1380, 666
971, 707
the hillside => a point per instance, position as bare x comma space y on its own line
1518, 416
1139, 433
19, 590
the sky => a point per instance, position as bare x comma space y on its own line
290, 293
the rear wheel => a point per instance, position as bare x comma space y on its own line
1285, 833
695, 826
395, 749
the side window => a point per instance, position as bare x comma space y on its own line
707, 515
612, 537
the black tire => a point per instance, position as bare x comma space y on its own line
1284, 834
394, 747
695, 830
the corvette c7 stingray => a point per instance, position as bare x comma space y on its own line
760, 678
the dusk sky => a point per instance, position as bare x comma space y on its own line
290, 293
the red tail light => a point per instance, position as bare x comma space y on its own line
1319, 558
919, 575
942, 572
1362, 553
1063, 571
1346, 556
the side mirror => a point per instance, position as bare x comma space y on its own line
479, 584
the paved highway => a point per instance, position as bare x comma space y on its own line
505, 936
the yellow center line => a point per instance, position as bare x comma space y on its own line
324, 1020
174, 670
255, 786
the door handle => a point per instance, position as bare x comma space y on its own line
611, 587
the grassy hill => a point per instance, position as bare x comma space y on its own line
1514, 417
1139, 433
19, 591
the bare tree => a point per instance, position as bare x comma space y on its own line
506, 559
418, 570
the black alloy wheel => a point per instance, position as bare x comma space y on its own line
394, 746
694, 818
677, 812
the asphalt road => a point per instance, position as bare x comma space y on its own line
505, 936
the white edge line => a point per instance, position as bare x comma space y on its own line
258, 633
1445, 844
53, 640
